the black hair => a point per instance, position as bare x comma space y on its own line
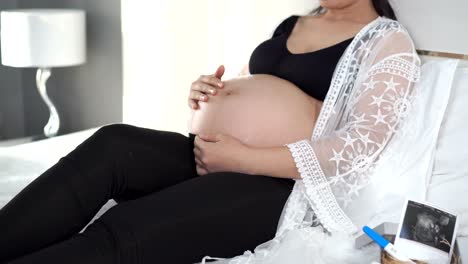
382, 7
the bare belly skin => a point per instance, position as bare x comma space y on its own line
260, 110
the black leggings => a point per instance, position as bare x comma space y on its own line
166, 212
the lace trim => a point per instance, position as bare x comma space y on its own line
396, 65
320, 195
294, 211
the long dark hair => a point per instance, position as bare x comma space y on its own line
382, 7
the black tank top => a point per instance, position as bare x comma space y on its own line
311, 71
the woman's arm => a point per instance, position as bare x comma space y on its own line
274, 162
219, 152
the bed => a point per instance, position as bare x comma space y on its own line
21, 164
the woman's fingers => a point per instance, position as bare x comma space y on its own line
219, 72
204, 87
211, 80
198, 96
199, 93
193, 104
198, 162
197, 147
201, 171
197, 153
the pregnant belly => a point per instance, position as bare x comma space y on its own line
260, 110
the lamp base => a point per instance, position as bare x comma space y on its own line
52, 127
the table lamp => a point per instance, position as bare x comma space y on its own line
43, 39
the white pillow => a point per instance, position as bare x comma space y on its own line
448, 187
405, 170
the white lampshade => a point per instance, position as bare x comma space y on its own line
43, 37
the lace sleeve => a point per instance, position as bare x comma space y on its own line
353, 130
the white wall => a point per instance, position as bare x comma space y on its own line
167, 44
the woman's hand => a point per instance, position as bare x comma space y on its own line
219, 152
204, 85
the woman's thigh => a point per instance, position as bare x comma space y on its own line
132, 162
219, 214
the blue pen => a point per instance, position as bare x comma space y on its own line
385, 244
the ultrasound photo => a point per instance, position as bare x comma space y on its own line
429, 226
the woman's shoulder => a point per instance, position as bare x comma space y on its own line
389, 25
388, 38
386, 29
286, 25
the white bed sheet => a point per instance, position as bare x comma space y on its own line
21, 164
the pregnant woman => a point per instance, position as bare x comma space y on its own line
325, 96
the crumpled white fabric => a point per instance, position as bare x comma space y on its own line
305, 246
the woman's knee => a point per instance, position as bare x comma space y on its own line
114, 130
102, 143
124, 132
107, 139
